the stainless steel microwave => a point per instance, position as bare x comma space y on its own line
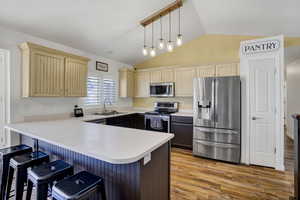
162, 89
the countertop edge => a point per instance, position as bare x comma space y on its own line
105, 159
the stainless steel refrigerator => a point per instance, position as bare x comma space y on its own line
217, 118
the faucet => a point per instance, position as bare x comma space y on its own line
106, 100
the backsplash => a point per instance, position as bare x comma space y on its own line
185, 103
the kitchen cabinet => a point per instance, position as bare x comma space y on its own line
135, 121
167, 75
182, 128
52, 73
155, 76
227, 69
126, 83
141, 84
75, 78
184, 81
206, 71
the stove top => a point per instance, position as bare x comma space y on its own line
164, 108
159, 113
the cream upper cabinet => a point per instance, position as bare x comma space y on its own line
206, 71
44, 75
167, 75
126, 83
155, 76
141, 84
75, 78
227, 69
52, 73
184, 81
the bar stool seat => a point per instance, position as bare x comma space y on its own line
44, 175
21, 163
79, 186
6, 154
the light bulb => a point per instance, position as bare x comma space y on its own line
170, 46
161, 43
179, 40
152, 52
145, 51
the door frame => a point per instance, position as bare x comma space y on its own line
5, 77
279, 99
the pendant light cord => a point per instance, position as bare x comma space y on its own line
160, 28
152, 34
169, 26
179, 20
144, 36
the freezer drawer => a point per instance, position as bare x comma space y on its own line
217, 135
218, 151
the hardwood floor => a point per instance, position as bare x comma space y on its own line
194, 178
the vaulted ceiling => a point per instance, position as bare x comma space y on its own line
111, 28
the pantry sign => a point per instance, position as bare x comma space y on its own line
261, 47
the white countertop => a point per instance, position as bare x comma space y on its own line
115, 145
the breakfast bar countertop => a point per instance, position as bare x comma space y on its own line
115, 145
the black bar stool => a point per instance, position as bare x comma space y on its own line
44, 175
21, 163
6, 155
78, 187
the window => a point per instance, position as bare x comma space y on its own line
99, 90
109, 90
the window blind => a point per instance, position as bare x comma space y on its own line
100, 90
109, 90
93, 91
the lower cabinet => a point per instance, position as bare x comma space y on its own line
182, 128
128, 121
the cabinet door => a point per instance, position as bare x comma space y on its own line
183, 135
46, 75
126, 83
155, 76
142, 81
167, 75
227, 70
206, 71
184, 81
75, 78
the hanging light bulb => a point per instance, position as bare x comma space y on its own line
161, 43
179, 36
170, 43
152, 51
145, 49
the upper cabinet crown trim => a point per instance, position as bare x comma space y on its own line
28, 45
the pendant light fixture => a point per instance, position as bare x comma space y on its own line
179, 36
152, 51
170, 44
161, 43
145, 50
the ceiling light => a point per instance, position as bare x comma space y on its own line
170, 44
152, 51
145, 50
179, 36
161, 43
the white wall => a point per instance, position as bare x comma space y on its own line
292, 55
21, 107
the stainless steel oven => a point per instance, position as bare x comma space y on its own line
162, 89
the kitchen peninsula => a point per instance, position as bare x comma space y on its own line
134, 163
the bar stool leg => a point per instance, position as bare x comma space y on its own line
20, 181
29, 190
4, 175
43, 191
9, 182
102, 191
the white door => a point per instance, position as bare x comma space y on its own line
262, 111
2, 92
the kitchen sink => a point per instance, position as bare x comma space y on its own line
110, 112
